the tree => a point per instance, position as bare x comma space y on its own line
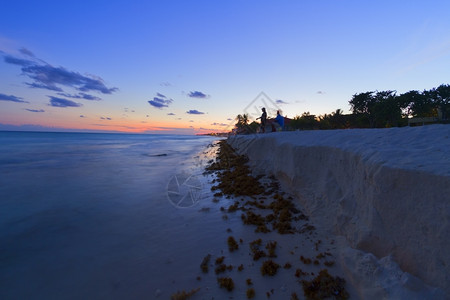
305, 121
242, 126
442, 99
360, 103
385, 110
380, 109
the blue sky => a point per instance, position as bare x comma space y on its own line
191, 66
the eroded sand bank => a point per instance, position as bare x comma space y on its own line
385, 192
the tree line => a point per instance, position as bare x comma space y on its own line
374, 109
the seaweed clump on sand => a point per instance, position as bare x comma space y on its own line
183, 295
233, 173
250, 293
226, 282
254, 247
269, 268
325, 286
232, 244
250, 218
204, 264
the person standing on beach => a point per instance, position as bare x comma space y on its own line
280, 120
263, 120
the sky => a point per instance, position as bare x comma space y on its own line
189, 67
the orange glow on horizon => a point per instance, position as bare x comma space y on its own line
125, 127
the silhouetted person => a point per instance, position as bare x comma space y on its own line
263, 120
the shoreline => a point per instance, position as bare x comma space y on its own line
383, 191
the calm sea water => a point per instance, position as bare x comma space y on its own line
101, 216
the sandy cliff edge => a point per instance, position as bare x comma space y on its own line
385, 191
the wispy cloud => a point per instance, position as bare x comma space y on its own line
17, 61
46, 76
12, 98
197, 94
106, 118
171, 114
26, 52
61, 102
320, 92
81, 96
160, 101
35, 110
219, 124
194, 112
281, 102
44, 86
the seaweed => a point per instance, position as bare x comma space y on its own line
219, 260
226, 282
299, 273
220, 268
306, 261
250, 293
232, 244
269, 267
183, 295
254, 247
205, 262
324, 286
271, 246
329, 263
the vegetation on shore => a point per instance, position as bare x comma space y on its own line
373, 109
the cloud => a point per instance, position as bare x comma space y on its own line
49, 76
61, 102
171, 114
105, 118
43, 86
165, 84
197, 94
160, 102
161, 95
26, 52
281, 102
82, 116
35, 110
81, 96
320, 92
194, 112
46, 76
17, 61
229, 119
219, 124
12, 98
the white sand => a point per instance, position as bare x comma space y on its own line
384, 192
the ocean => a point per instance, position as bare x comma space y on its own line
103, 216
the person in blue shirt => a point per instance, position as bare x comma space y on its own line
280, 120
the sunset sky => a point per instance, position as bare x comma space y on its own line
191, 66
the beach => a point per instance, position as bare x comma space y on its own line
383, 193
155, 217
